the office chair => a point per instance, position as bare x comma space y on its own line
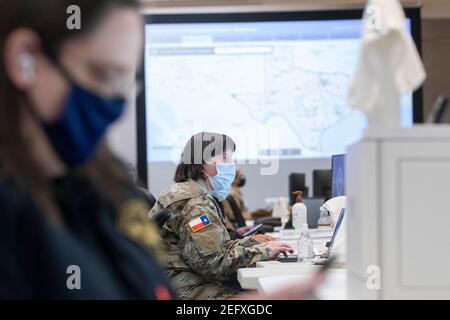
161, 217
269, 221
148, 196
239, 218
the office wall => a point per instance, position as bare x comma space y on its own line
436, 57
430, 8
436, 53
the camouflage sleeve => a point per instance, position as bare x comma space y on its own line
247, 242
209, 250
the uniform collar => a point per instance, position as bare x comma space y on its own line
203, 185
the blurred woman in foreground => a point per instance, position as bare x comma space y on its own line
67, 209
72, 225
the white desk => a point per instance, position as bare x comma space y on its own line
334, 287
286, 235
248, 277
251, 278
270, 264
397, 215
275, 275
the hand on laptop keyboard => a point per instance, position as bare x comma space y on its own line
275, 248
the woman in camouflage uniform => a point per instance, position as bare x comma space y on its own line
201, 255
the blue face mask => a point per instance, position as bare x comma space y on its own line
222, 181
82, 123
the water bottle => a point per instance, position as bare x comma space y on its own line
305, 246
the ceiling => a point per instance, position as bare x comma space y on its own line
430, 8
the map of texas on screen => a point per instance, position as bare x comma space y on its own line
278, 88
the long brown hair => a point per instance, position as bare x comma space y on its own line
48, 19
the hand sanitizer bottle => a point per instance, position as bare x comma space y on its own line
299, 211
305, 252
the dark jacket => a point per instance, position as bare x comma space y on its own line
37, 257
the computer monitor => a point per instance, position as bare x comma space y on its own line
276, 82
322, 183
338, 175
313, 210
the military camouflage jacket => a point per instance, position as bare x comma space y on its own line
201, 255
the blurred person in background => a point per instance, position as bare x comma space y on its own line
236, 213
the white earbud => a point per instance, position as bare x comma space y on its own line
26, 62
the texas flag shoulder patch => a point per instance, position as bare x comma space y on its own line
199, 223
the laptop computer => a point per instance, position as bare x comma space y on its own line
330, 244
320, 258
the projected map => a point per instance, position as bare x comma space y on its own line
278, 88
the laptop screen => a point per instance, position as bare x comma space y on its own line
336, 230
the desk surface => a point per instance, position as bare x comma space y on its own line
334, 287
271, 275
268, 274
290, 234
248, 277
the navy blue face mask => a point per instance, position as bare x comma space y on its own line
85, 117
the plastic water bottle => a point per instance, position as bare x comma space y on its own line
305, 246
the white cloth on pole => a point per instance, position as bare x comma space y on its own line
388, 55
